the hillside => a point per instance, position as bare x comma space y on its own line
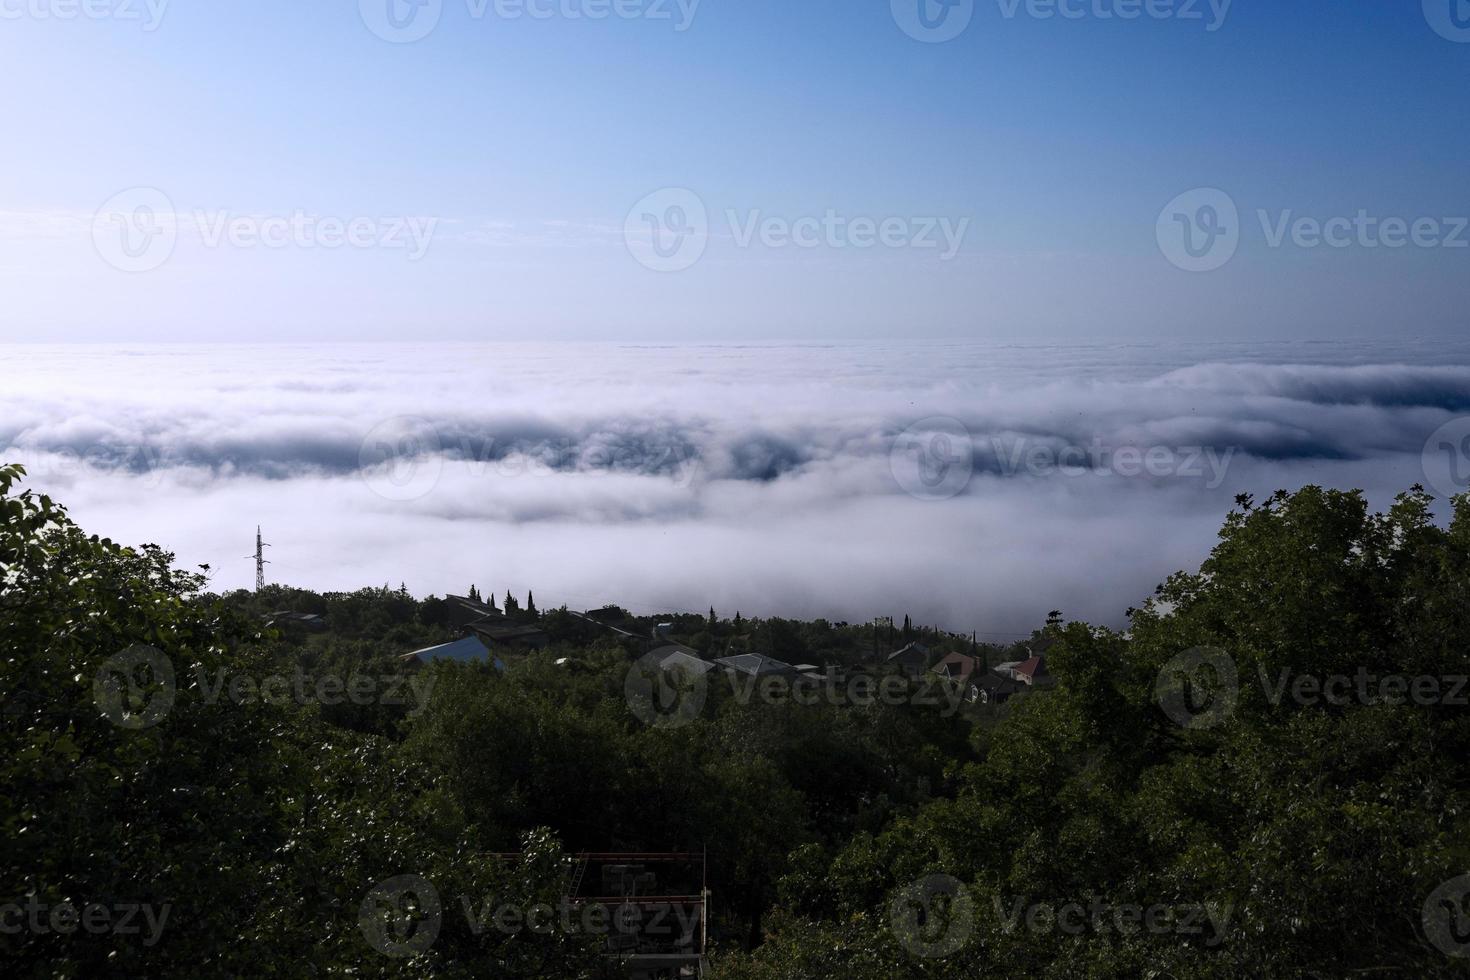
1266, 775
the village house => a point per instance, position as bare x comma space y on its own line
912, 659
493, 627
505, 634
982, 684
1031, 672
959, 667
992, 688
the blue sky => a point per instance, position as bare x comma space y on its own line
1053, 142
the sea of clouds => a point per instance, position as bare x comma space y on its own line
969, 486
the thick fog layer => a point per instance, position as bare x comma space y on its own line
970, 487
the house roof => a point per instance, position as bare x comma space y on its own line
592, 619
682, 658
606, 614
501, 632
468, 649
315, 620
1035, 667
910, 650
473, 605
959, 665
756, 665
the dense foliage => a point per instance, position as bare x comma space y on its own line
1270, 832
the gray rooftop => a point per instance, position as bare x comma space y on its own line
676, 658
756, 665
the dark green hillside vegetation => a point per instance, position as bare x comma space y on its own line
155, 753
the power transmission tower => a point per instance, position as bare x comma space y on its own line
260, 560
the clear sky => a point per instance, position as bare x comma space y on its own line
516, 148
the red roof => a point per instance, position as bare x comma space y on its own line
1035, 667
959, 665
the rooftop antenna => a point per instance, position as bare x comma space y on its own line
260, 560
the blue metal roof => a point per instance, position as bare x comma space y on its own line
464, 651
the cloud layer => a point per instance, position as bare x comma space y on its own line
971, 487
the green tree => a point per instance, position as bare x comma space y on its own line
140, 765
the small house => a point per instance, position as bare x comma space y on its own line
960, 667
502, 633
912, 659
